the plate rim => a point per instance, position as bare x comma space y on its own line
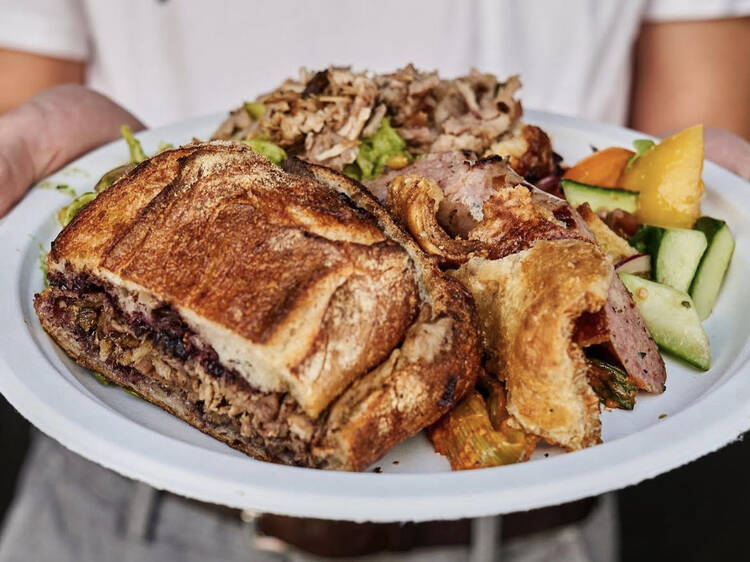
256, 485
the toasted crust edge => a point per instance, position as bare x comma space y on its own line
362, 426
148, 390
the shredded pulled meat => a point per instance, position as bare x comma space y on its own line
160, 350
436, 115
322, 117
319, 115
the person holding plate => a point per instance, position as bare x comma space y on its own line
74, 71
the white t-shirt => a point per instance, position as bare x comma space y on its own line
171, 59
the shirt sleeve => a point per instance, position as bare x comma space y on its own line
671, 10
55, 28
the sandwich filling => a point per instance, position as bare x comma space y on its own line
160, 356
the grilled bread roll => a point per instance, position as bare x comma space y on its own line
284, 313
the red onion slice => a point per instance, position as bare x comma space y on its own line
640, 263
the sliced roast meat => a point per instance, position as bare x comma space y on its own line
529, 150
485, 201
629, 340
481, 202
415, 200
465, 181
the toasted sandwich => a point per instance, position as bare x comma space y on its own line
282, 312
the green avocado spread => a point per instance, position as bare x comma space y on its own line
382, 149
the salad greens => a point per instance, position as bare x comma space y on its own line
112, 176
69, 212
100, 378
61, 187
255, 109
65, 188
263, 146
43, 265
385, 148
137, 155
164, 146
136, 150
640, 146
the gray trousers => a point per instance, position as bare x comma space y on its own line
68, 509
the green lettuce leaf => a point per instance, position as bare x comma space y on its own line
376, 150
640, 146
134, 145
255, 109
69, 212
263, 146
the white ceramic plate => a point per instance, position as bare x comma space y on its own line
703, 410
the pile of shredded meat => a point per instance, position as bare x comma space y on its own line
322, 117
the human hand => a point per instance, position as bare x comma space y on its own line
728, 150
51, 129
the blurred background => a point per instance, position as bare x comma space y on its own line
654, 65
697, 512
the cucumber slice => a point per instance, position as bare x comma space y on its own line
671, 318
675, 253
599, 197
714, 265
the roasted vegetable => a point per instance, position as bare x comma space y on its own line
668, 178
472, 437
494, 396
614, 246
603, 168
613, 385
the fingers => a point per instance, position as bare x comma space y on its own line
69, 121
51, 129
728, 150
16, 171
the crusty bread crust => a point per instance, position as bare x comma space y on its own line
408, 341
293, 288
529, 303
436, 364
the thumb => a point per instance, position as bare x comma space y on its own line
728, 150
51, 129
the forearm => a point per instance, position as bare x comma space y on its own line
24, 74
692, 72
728, 150
50, 130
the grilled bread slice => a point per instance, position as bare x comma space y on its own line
286, 314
